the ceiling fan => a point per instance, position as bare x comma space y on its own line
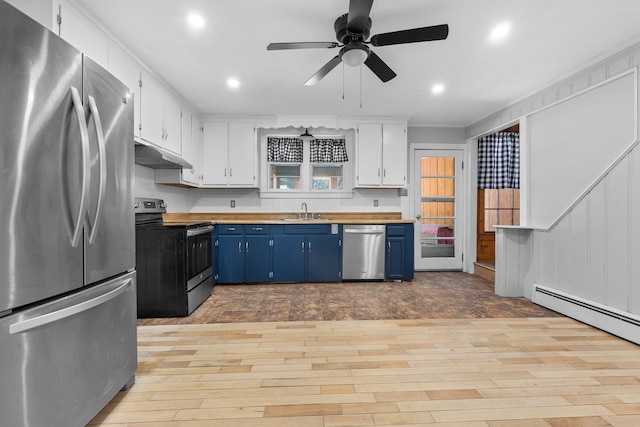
352, 30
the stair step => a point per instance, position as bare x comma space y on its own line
486, 271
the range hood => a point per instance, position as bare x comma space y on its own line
159, 158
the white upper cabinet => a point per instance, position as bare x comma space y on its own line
191, 148
172, 119
381, 155
151, 110
229, 155
394, 155
160, 116
127, 70
75, 28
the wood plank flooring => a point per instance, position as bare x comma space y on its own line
468, 371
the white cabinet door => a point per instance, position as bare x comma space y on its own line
127, 70
394, 155
369, 155
76, 29
190, 147
214, 154
172, 120
151, 110
242, 153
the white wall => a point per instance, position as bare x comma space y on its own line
592, 249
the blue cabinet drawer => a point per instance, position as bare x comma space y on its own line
396, 230
230, 229
257, 229
307, 228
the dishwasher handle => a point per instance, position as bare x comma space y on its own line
351, 231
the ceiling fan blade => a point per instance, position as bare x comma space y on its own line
424, 34
302, 45
358, 15
379, 67
323, 71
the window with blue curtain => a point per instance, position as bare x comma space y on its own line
499, 161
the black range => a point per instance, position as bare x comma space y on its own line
173, 260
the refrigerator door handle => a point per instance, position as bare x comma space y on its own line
35, 322
93, 108
84, 139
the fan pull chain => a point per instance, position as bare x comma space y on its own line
343, 81
360, 86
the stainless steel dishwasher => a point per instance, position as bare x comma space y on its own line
363, 252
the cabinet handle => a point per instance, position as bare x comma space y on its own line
247, 246
225, 171
309, 247
230, 171
302, 246
239, 246
378, 172
384, 172
389, 245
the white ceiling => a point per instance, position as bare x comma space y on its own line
548, 40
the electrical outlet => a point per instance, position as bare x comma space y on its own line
233, 203
375, 203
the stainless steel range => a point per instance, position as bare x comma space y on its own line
173, 261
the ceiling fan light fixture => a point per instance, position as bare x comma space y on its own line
355, 56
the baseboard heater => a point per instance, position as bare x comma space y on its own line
609, 319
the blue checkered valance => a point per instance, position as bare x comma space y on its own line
499, 161
284, 150
325, 150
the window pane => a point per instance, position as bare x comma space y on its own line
327, 177
284, 177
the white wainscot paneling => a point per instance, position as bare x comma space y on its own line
562, 234
634, 232
617, 244
597, 233
580, 249
549, 257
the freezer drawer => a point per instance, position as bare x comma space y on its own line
68, 357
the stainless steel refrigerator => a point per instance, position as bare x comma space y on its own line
67, 251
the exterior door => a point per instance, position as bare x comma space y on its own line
438, 199
40, 162
110, 222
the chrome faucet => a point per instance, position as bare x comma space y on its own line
306, 214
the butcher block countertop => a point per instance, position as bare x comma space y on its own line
289, 218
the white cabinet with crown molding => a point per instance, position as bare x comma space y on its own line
381, 155
229, 153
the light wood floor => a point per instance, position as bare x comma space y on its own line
547, 371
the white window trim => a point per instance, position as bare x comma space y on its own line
305, 172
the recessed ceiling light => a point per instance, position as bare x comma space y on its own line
195, 20
437, 88
500, 32
233, 83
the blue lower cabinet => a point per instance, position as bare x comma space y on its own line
289, 255
399, 252
257, 258
243, 254
307, 253
230, 258
324, 258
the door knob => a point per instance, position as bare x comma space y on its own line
418, 217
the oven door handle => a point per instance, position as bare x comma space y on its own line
198, 231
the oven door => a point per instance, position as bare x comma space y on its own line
198, 255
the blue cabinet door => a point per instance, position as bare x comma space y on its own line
289, 254
395, 257
324, 258
231, 258
399, 252
257, 258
